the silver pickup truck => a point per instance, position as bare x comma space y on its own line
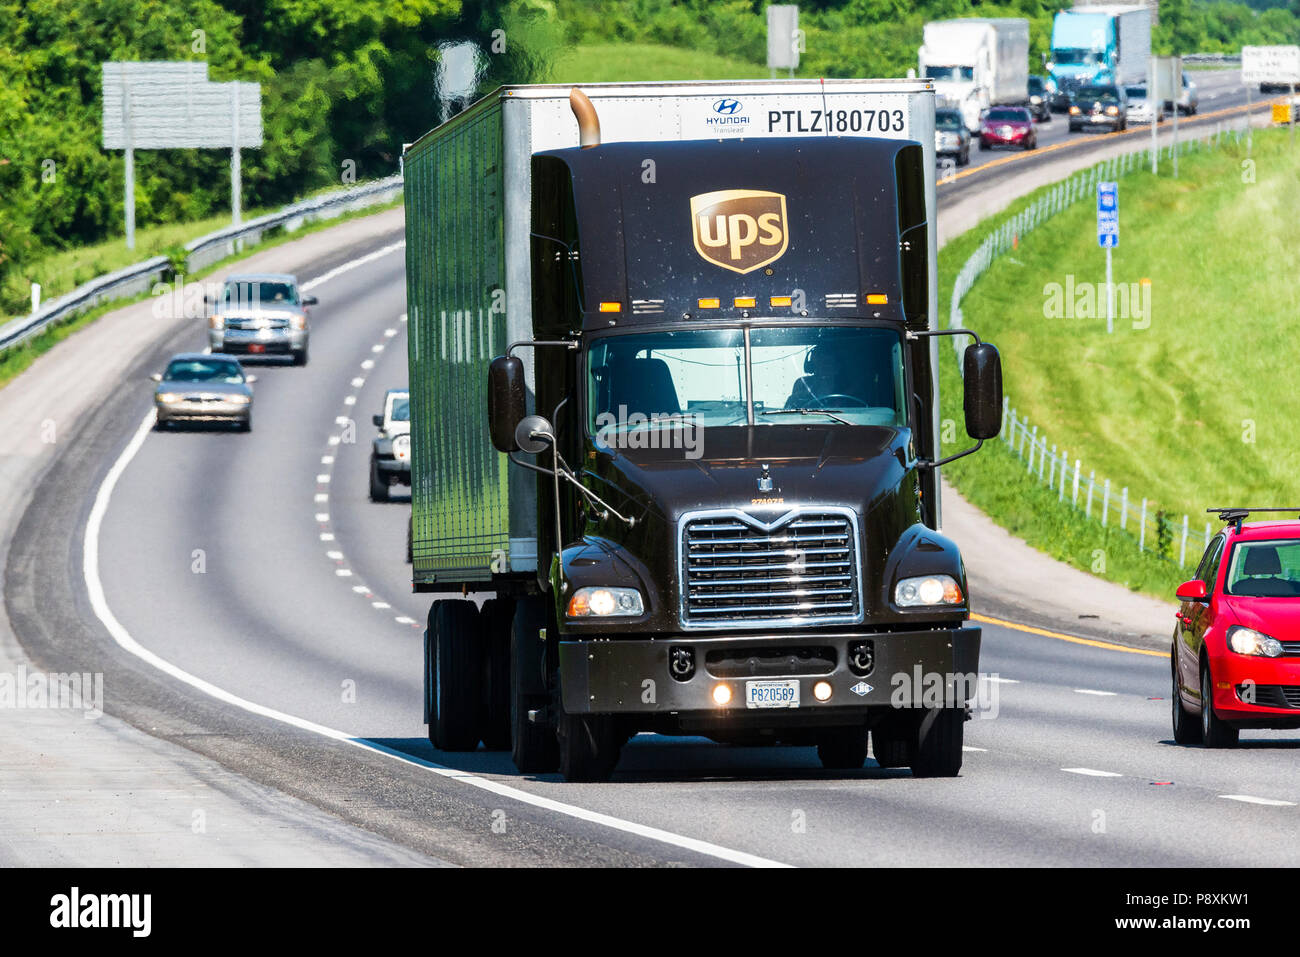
261, 314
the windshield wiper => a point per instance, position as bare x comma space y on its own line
826, 412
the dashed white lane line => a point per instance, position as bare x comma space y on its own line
377, 347
334, 555
322, 479
125, 641
1093, 773
343, 572
368, 364
327, 536
966, 747
1100, 694
380, 605
358, 382
334, 440
403, 620
322, 516
350, 400
1247, 799
327, 460
322, 497
389, 333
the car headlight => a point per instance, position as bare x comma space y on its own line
168, 397
402, 447
928, 590
239, 399
1074, 111
1248, 641
217, 322
605, 603
298, 322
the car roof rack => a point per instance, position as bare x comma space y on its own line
1236, 515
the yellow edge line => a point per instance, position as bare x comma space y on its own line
984, 619
1082, 142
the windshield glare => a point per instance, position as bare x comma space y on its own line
697, 378
1075, 57
1265, 569
204, 370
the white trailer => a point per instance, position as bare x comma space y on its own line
977, 62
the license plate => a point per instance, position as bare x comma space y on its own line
772, 694
256, 348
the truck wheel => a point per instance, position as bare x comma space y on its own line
843, 749
378, 485
589, 748
1187, 730
455, 632
495, 721
1215, 732
891, 744
532, 746
938, 754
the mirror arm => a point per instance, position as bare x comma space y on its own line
913, 336
928, 464
570, 344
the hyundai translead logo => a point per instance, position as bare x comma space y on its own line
739, 229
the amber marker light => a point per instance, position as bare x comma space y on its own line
745, 302
611, 307
782, 301
877, 299
710, 303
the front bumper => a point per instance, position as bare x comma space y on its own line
258, 342
1012, 139
1253, 690
202, 411
396, 470
632, 676
1091, 120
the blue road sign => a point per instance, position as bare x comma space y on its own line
1107, 215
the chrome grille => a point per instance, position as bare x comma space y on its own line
803, 567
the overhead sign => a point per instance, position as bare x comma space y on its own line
172, 105
1107, 215
1279, 64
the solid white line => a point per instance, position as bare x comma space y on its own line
99, 603
1102, 694
1091, 773
1254, 800
352, 264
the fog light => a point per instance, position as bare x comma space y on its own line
822, 691
721, 694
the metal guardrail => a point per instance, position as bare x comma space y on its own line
201, 252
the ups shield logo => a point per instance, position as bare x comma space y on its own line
739, 229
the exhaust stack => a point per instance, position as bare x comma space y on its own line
588, 121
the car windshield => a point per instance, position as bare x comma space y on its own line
1136, 92
1075, 57
401, 409
947, 120
1106, 94
835, 375
1004, 115
261, 293
1268, 569
204, 370
950, 73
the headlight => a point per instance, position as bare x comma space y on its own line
168, 397
217, 322
239, 399
1112, 111
605, 603
1248, 641
298, 322
928, 590
402, 447
1074, 111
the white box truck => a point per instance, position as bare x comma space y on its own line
976, 63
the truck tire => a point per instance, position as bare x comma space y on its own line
842, 749
532, 746
495, 616
1187, 729
588, 746
455, 633
891, 744
938, 751
378, 485
1215, 732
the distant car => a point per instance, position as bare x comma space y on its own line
1008, 126
1040, 95
390, 452
951, 137
1140, 108
1235, 662
197, 387
1189, 101
261, 315
1094, 106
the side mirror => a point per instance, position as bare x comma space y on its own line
378, 419
982, 372
507, 402
157, 377
309, 300
534, 434
250, 379
1193, 590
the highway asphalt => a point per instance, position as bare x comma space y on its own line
257, 564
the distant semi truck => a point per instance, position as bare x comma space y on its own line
976, 63
1100, 46
674, 390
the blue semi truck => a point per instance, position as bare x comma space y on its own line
1100, 45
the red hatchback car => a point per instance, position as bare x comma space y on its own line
1236, 649
1008, 126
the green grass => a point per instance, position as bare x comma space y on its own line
1198, 409
14, 361
631, 62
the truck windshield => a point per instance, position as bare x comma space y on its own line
1075, 57
835, 375
954, 74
